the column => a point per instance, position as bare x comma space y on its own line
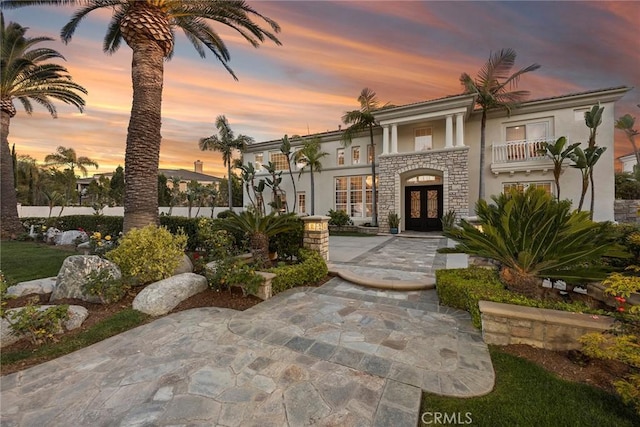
385, 140
448, 135
460, 130
394, 138
316, 234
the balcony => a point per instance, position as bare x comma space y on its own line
520, 156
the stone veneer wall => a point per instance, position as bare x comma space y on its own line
504, 324
626, 210
452, 162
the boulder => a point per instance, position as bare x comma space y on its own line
161, 297
37, 286
184, 266
51, 235
71, 237
77, 315
74, 273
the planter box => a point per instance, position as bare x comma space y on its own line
504, 324
264, 291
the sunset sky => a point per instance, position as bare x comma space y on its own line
407, 51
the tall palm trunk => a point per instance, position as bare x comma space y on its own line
295, 191
313, 193
374, 195
483, 128
229, 186
11, 225
142, 155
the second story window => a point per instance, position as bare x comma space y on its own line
423, 139
279, 160
259, 160
528, 132
370, 154
340, 156
355, 155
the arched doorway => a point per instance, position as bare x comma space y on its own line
423, 202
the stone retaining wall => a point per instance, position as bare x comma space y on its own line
504, 324
626, 210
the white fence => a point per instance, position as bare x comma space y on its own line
43, 211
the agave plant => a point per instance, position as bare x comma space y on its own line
259, 229
532, 235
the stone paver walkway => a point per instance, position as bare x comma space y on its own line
335, 355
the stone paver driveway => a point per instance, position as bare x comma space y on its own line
337, 355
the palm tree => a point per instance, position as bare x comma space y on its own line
309, 156
558, 153
147, 26
585, 161
67, 157
361, 120
593, 119
226, 143
26, 76
625, 124
285, 148
493, 86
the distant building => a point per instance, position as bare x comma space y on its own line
628, 162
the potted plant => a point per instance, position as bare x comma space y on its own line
394, 222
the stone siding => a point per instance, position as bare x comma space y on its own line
504, 324
626, 211
452, 163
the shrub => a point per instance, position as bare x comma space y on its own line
311, 268
181, 224
148, 254
234, 272
627, 186
216, 243
464, 288
103, 285
533, 235
107, 225
339, 218
39, 325
288, 244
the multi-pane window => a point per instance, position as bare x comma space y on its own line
355, 155
354, 195
370, 153
522, 186
423, 139
302, 202
341, 193
259, 160
340, 156
279, 160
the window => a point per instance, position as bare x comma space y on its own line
423, 139
354, 195
259, 160
341, 193
522, 186
279, 160
302, 202
340, 156
370, 152
538, 131
355, 155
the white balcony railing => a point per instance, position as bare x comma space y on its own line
519, 151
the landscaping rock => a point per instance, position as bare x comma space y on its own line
77, 315
71, 237
37, 286
161, 297
51, 235
74, 273
184, 266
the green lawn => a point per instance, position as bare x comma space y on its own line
20, 261
527, 395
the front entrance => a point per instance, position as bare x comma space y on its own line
423, 208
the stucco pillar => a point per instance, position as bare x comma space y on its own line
385, 140
459, 130
448, 134
394, 138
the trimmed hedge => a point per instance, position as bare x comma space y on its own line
288, 244
311, 268
106, 225
189, 226
463, 288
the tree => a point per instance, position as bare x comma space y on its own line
585, 160
26, 75
493, 86
625, 124
558, 154
360, 121
285, 148
309, 156
226, 143
67, 157
148, 29
593, 119
236, 191
116, 185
